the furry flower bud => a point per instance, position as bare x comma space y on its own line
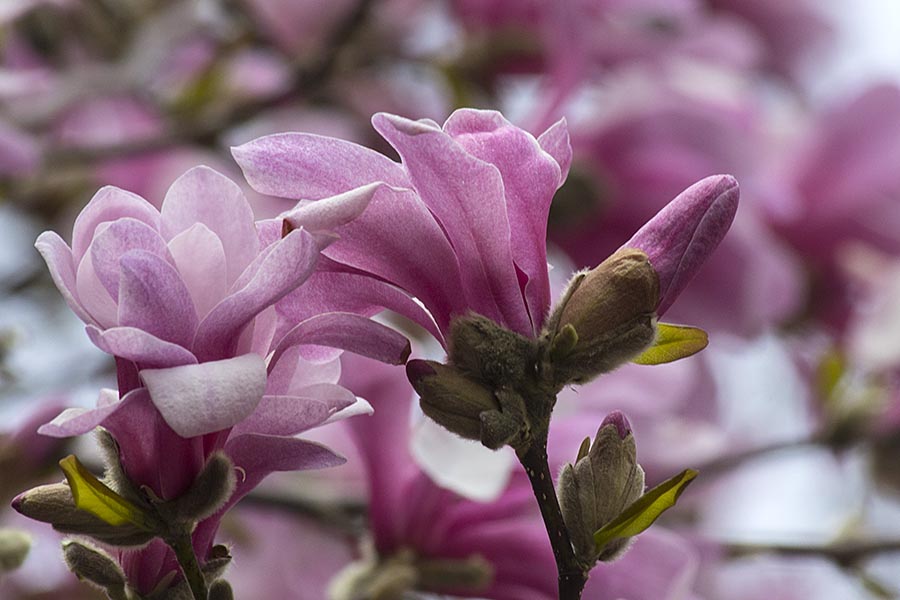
602, 482
14, 547
607, 317
95, 566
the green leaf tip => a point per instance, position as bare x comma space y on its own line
94, 496
673, 342
644, 511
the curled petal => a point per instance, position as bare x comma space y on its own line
61, 263
330, 213
78, 420
207, 397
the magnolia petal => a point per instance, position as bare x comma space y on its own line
93, 295
115, 240
555, 142
467, 197
278, 270
330, 291
681, 236
78, 420
290, 415
347, 331
309, 167
258, 455
200, 258
359, 408
293, 373
329, 213
140, 346
530, 178
110, 204
207, 397
202, 195
153, 297
61, 263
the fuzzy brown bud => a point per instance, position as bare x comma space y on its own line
600, 484
606, 318
464, 406
95, 566
489, 352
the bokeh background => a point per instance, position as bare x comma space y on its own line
793, 412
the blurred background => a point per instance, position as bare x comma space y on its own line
793, 412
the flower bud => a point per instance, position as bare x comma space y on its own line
210, 490
606, 318
54, 504
220, 590
14, 547
681, 236
600, 484
489, 352
95, 566
464, 406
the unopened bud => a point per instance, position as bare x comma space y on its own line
606, 318
208, 493
94, 566
55, 505
220, 590
14, 547
489, 352
455, 401
596, 489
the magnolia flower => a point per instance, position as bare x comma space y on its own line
460, 224
183, 297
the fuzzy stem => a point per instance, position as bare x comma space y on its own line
571, 577
184, 552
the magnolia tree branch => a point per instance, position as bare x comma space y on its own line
846, 554
571, 577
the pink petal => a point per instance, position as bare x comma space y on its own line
292, 373
290, 415
61, 263
200, 258
109, 204
328, 291
258, 455
530, 178
140, 347
116, 239
347, 331
207, 397
278, 270
308, 167
467, 197
78, 421
680, 238
203, 195
555, 142
329, 213
399, 240
152, 297
99, 305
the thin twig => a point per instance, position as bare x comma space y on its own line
845, 554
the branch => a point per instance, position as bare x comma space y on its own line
846, 554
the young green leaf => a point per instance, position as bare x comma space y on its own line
673, 342
95, 497
645, 510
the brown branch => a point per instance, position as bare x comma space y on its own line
846, 554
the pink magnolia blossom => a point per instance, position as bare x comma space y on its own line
183, 297
460, 224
